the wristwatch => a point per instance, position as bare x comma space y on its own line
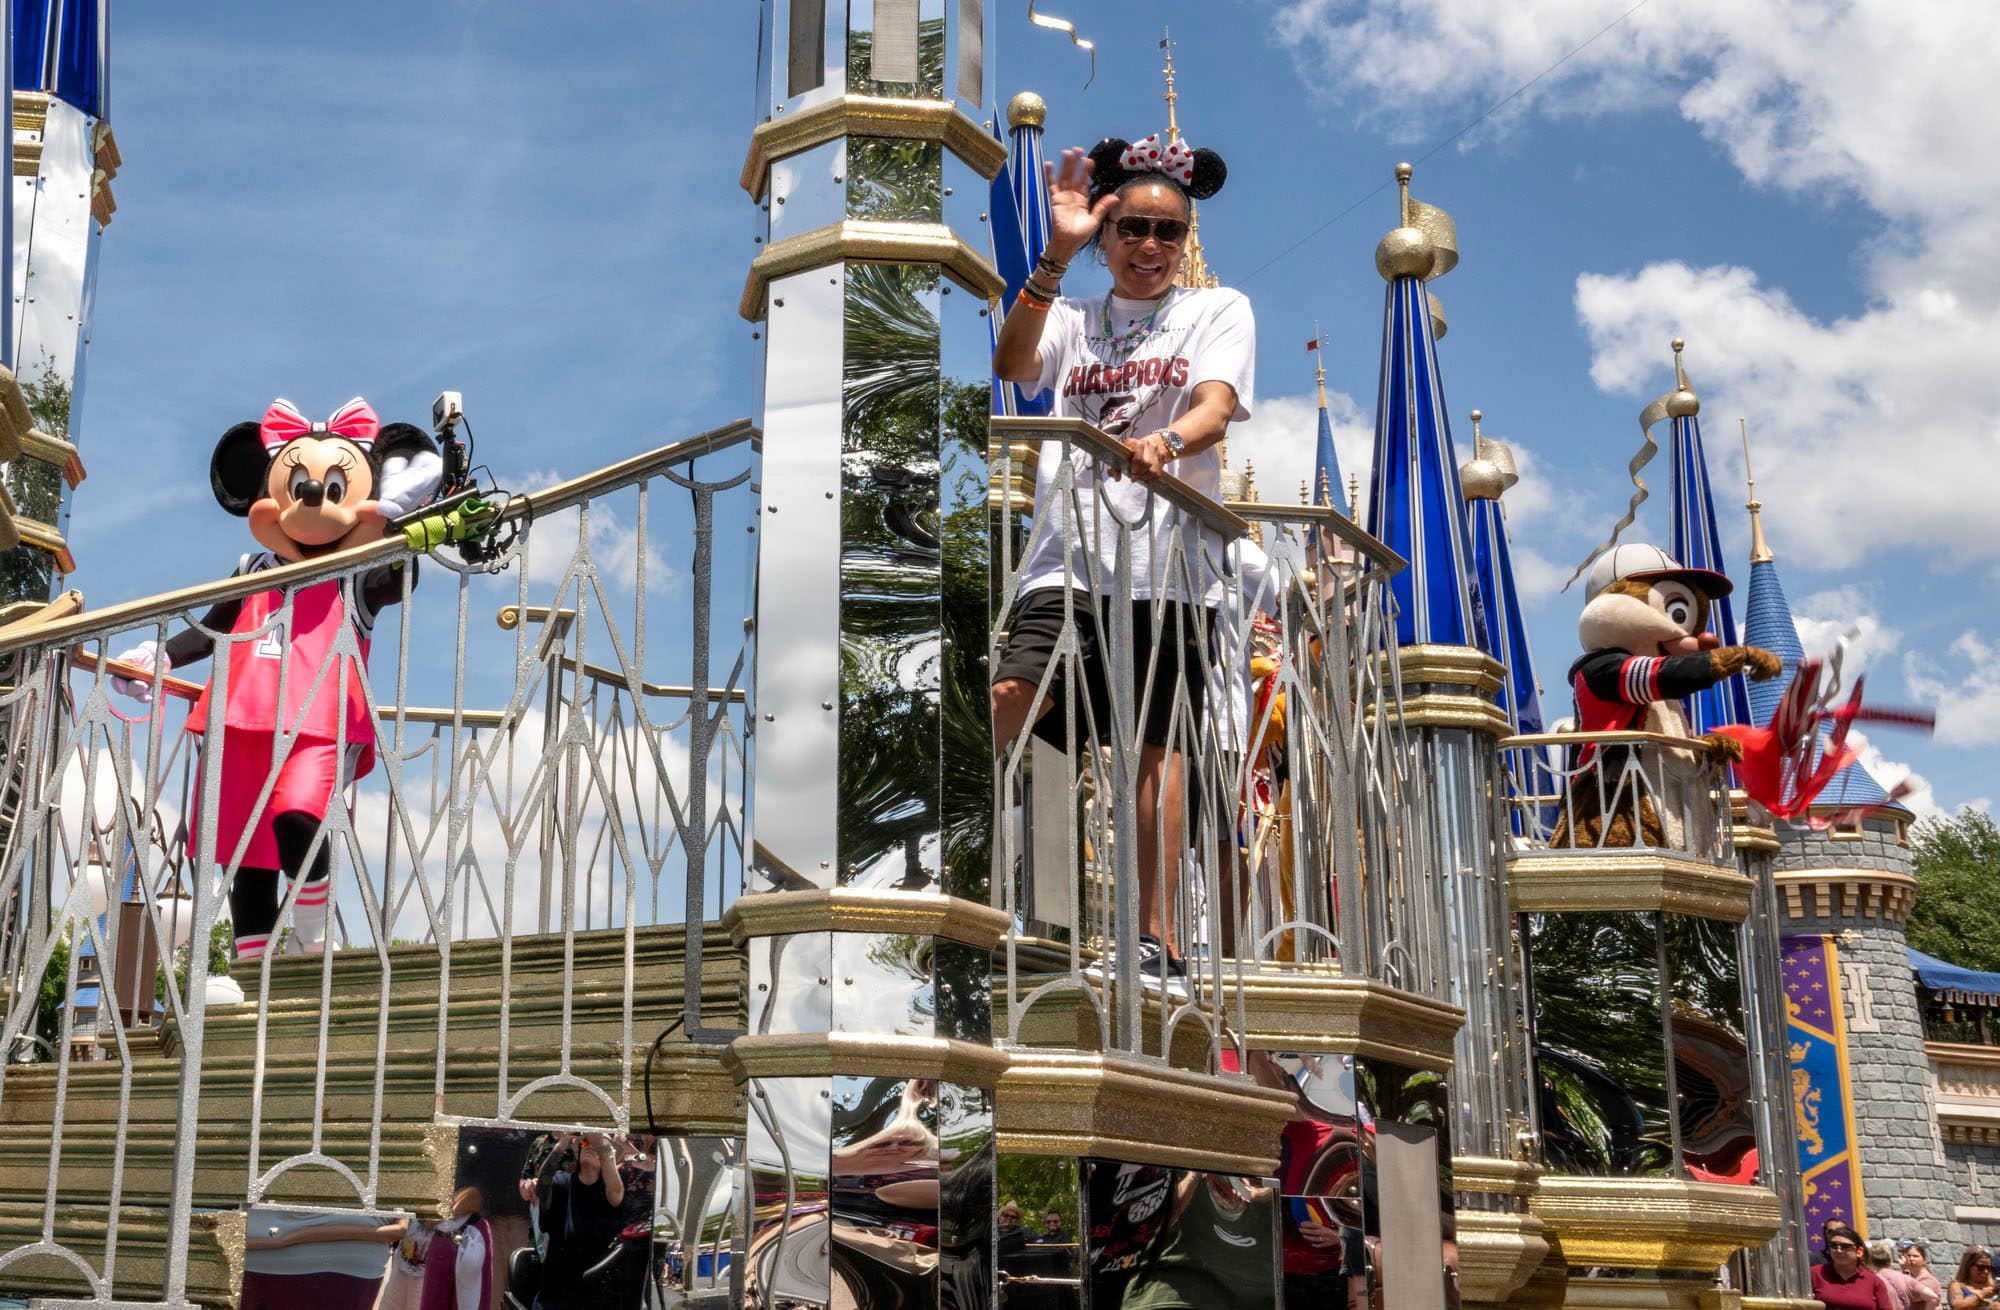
1176, 447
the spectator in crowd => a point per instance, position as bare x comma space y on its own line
1916, 1257
1973, 1289
1053, 1232
1012, 1235
1845, 1282
1882, 1259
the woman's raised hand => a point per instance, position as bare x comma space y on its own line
1073, 220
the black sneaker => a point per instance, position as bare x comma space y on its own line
1157, 967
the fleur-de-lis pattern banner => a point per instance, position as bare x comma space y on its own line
1822, 1090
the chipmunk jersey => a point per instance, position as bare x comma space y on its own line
1131, 367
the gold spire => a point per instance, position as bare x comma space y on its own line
1194, 271
1354, 497
1760, 549
1319, 362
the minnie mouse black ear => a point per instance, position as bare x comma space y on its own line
1209, 174
237, 469
1107, 172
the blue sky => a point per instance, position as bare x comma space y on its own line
393, 199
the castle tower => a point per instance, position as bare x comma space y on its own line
1417, 507
1775, 1274
64, 157
1485, 478
1194, 270
1870, 1152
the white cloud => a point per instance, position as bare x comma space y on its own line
1282, 433
1922, 798
1967, 697
1815, 98
1825, 617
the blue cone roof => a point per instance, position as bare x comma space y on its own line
1326, 465
1768, 623
1493, 563
1414, 503
1697, 544
1019, 227
60, 47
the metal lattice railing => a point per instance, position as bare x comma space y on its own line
1295, 828
1587, 792
550, 794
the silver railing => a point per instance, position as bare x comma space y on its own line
1295, 834
518, 881
1587, 792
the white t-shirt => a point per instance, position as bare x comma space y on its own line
1131, 388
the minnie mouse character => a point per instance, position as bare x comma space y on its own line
293, 713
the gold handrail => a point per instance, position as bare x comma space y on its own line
1112, 451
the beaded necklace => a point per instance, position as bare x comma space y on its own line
1139, 330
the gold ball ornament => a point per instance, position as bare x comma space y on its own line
1481, 479
1683, 404
1404, 252
1027, 110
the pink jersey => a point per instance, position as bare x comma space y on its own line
318, 615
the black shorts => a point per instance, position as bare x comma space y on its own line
1180, 652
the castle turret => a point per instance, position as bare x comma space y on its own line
1417, 506
1869, 1146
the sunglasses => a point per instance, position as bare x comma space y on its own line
1842, 1246
1170, 231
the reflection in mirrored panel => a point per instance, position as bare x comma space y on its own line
592, 1197
912, 64
885, 1192
790, 983
890, 598
882, 984
807, 191
788, 1260
1601, 1039
1410, 1267
963, 990
1712, 1087
1176, 1237
337, 1259
694, 1223
965, 1197
798, 578
1325, 1172
1039, 1232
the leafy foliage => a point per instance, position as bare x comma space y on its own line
1957, 866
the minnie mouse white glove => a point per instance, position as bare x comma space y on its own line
146, 655
408, 481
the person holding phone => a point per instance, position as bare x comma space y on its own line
580, 1195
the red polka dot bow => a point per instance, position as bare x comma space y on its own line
1174, 158
355, 420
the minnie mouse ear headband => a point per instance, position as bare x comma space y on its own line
355, 421
1200, 173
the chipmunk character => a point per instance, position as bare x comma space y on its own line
1645, 633
293, 716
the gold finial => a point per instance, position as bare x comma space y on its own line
1173, 125
1354, 497
1305, 491
1325, 488
1683, 403
1319, 363
1407, 250
1194, 272
1027, 110
1477, 435
1760, 549
1491, 470
1250, 476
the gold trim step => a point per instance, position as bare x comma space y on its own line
214, 1254
1653, 1223
856, 909
881, 117
1583, 881
1306, 1009
869, 241
1498, 1252
872, 1055
1080, 1104
1488, 1176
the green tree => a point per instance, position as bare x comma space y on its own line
1957, 864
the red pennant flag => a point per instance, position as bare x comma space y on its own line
1313, 344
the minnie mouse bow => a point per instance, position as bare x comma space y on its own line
1175, 158
355, 421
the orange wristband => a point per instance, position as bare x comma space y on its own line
1026, 301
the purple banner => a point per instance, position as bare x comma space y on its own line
1822, 1092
